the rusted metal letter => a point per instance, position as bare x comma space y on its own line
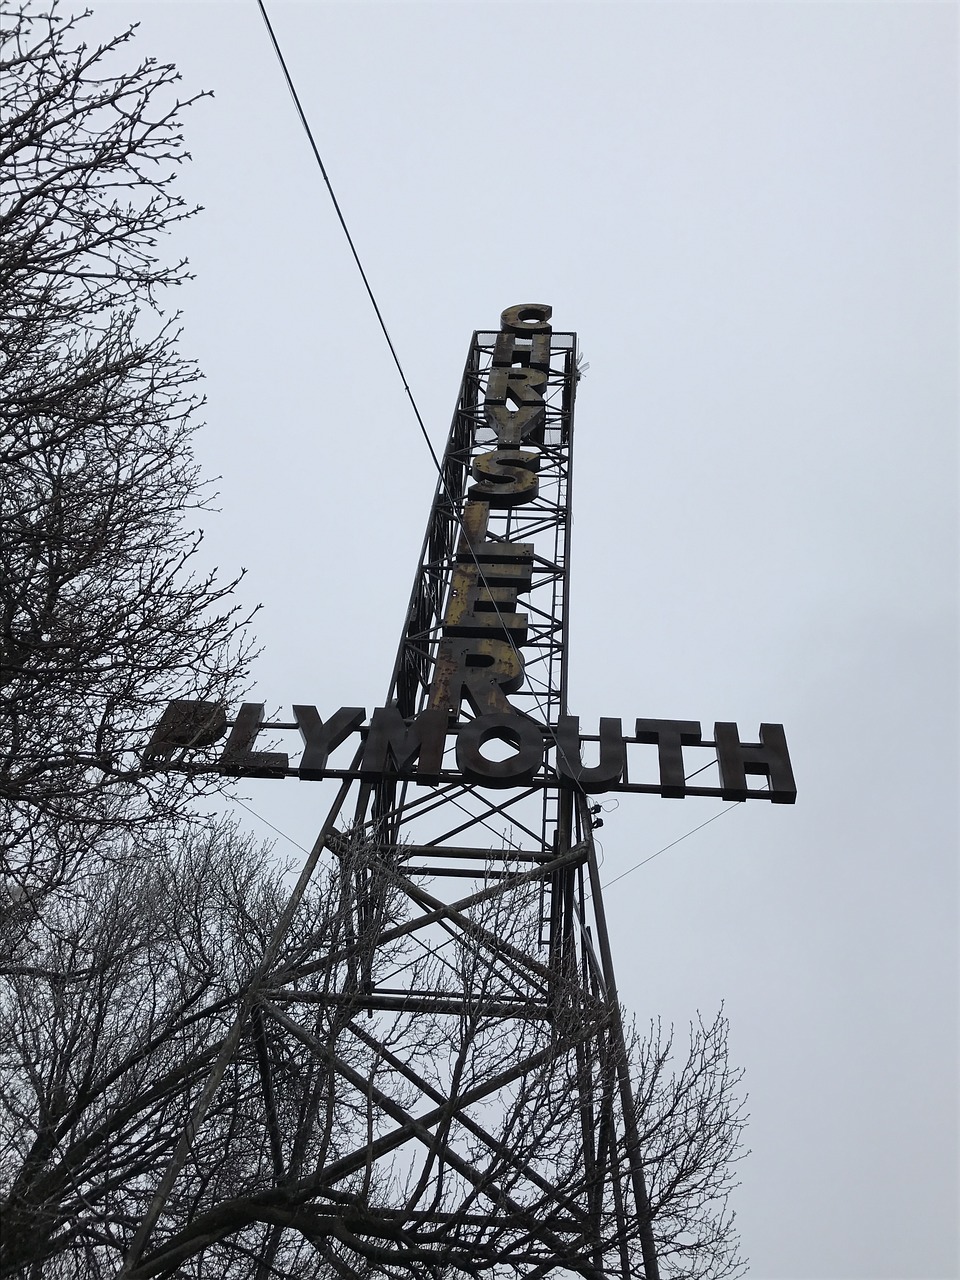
507, 477
671, 736
482, 671
185, 725
513, 428
320, 738
534, 351
517, 770
395, 742
477, 607
518, 386
239, 760
613, 754
768, 756
474, 544
526, 318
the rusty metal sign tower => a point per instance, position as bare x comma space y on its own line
495, 862
444, 1076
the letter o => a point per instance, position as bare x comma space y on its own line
526, 317
517, 770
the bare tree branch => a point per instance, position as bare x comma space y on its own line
470, 1133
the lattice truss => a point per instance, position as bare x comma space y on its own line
462, 1025
443, 1071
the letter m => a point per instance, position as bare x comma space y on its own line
392, 744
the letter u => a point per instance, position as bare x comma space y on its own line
613, 755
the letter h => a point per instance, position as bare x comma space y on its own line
769, 756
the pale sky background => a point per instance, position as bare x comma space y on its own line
749, 214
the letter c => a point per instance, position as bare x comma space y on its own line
526, 317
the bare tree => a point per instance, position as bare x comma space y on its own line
691, 1119
115, 1007
102, 615
133, 942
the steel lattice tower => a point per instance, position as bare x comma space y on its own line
514, 1133
443, 1076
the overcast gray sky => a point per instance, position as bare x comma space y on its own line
749, 214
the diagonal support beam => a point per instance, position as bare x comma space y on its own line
461, 1116
435, 910
420, 1128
